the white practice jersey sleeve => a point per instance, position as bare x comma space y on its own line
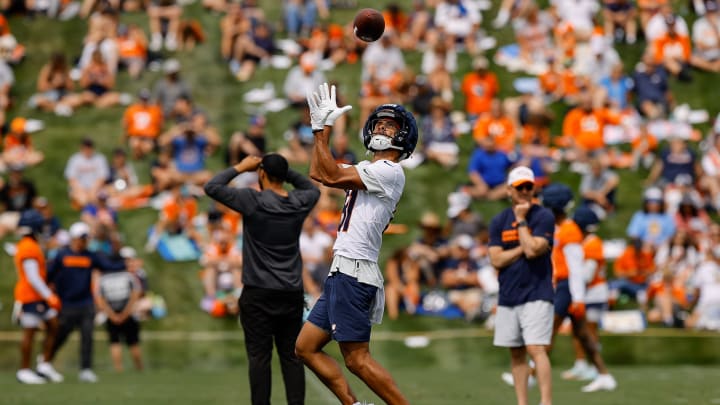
367, 213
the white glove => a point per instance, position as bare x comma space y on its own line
323, 107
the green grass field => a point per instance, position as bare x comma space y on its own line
459, 367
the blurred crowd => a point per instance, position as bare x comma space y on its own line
616, 118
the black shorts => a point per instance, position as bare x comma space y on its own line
128, 330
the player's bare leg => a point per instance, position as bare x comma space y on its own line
26, 347
359, 362
51, 330
543, 372
520, 371
308, 348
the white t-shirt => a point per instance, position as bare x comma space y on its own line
313, 247
579, 13
457, 19
657, 27
367, 213
711, 163
707, 279
87, 171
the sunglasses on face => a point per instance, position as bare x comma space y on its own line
524, 187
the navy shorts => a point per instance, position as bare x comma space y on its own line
343, 310
563, 299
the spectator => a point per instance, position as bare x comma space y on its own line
402, 286
86, 172
461, 218
98, 82
676, 163
53, 86
439, 135
657, 25
101, 36
532, 33
383, 65
222, 275
706, 302
340, 149
251, 49
252, 142
132, 49
496, 127
299, 139
18, 149
460, 20
479, 87
99, 216
706, 39
233, 25
596, 59
672, 50
619, 18
171, 87
303, 79
72, 272
487, 171
653, 98
117, 295
710, 164
460, 277
300, 16
176, 217
190, 149
616, 88
692, 219
579, 13
430, 250
168, 12
316, 253
142, 123
651, 226
598, 187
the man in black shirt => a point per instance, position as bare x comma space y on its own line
272, 300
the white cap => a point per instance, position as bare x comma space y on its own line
78, 230
457, 202
171, 66
520, 175
127, 252
464, 241
653, 194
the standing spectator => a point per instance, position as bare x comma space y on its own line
72, 273
117, 294
353, 298
142, 123
272, 301
86, 172
38, 306
171, 87
479, 87
521, 238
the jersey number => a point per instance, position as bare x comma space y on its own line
350, 198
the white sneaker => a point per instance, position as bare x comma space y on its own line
171, 42
87, 376
156, 42
589, 374
46, 370
507, 377
603, 382
575, 372
27, 376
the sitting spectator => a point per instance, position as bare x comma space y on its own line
235, 24
18, 192
653, 98
383, 65
439, 135
657, 25
460, 277
176, 216
479, 87
706, 39
487, 170
316, 253
667, 300
496, 127
99, 216
644, 147
461, 218
578, 13
86, 172
710, 164
598, 187
190, 149
460, 20
676, 162
691, 218
632, 270
122, 185
132, 49
142, 123
117, 295
672, 50
619, 20
706, 302
583, 129
532, 33
340, 149
252, 142
18, 149
101, 36
163, 174
300, 16
97, 82
168, 11
430, 250
171, 87
250, 49
53, 86
303, 79
402, 285
616, 88
595, 59
438, 65
300, 139
651, 226
222, 275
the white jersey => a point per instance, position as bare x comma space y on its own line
367, 213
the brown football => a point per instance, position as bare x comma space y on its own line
368, 25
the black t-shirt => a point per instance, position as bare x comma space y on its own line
18, 197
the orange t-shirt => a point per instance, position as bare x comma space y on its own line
143, 120
130, 48
587, 128
566, 233
182, 210
28, 248
479, 92
593, 250
650, 140
634, 269
13, 140
666, 45
501, 130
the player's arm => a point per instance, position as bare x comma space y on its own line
532, 246
501, 258
237, 199
31, 267
574, 257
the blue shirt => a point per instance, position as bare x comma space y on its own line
677, 164
617, 91
651, 86
492, 167
189, 155
524, 280
71, 272
654, 228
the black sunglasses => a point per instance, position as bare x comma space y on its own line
525, 187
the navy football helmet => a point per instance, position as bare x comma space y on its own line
405, 140
586, 218
558, 197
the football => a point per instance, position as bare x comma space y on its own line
369, 25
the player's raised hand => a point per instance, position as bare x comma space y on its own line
328, 96
317, 113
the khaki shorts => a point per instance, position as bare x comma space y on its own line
523, 325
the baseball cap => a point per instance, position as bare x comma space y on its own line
127, 252
171, 66
430, 220
653, 194
79, 230
457, 202
308, 61
464, 241
275, 165
17, 125
520, 175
